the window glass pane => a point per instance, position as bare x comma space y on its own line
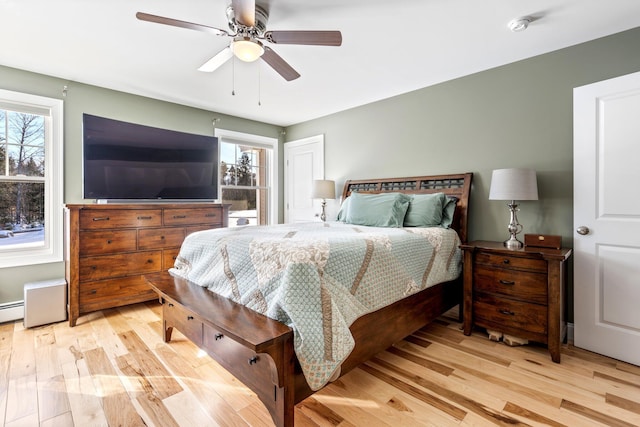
244, 165
25, 144
21, 213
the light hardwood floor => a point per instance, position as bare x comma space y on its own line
113, 369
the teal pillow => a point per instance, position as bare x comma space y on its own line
342, 213
448, 211
425, 210
377, 210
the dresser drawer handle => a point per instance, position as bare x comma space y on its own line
170, 304
149, 261
210, 215
101, 218
144, 217
93, 291
253, 360
179, 216
108, 242
218, 336
507, 312
505, 261
507, 282
161, 237
189, 317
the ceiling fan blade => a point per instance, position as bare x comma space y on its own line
321, 38
245, 12
220, 58
277, 63
177, 23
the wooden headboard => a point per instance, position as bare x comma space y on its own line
457, 185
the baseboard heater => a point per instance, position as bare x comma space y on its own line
11, 311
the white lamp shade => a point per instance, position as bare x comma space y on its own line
513, 184
323, 189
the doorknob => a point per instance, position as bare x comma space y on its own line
582, 230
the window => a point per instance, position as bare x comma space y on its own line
247, 177
31, 184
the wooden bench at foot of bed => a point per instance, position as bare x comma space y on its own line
260, 357
259, 351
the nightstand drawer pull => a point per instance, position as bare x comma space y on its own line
507, 282
218, 336
144, 217
505, 261
253, 360
179, 216
104, 218
507, 312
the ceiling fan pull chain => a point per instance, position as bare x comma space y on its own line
259, 84
233, 76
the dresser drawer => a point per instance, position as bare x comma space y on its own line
514, 262
107, 242
102, 267
120, 218
108, 293
155, 238
169, 257
209, 215
526, 286
510, 314
174, 315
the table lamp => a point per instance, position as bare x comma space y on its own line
323, 189
513, 184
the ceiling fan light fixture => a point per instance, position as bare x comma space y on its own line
247, 49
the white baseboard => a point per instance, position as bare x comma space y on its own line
11, 311
570, 332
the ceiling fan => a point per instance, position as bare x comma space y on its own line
248, 30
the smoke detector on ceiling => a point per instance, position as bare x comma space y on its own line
519, 24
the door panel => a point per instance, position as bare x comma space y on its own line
606, 200
304, 162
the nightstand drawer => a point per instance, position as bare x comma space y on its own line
529, 287
510, 313
512, 262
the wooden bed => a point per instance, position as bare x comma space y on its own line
259, 350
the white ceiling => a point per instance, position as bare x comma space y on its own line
389, 47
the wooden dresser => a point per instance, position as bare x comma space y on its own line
520, 292
110, 247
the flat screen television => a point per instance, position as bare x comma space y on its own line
129, 162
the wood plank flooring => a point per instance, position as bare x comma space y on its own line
113, 369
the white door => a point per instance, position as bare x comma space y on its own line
303, 162
607, 217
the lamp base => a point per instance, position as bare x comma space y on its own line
513, 243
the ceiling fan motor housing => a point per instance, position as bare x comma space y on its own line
259, 28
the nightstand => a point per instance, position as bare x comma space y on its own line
520, 292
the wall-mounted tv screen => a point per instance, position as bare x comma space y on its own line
127, 161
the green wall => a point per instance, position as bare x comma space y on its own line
81, 98
517, 115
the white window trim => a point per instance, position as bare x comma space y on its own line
53, 184
265, 141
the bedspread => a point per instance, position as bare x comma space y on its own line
318, 278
